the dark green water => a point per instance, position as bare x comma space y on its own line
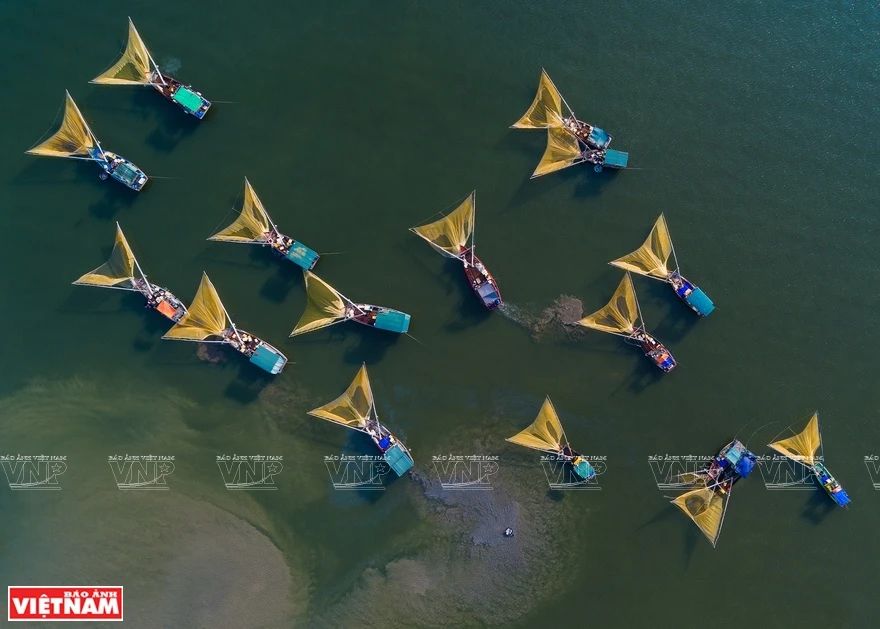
751, 125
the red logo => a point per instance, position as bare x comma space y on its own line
64, 603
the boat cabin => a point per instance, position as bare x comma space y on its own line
394, 452
184, 96
379, 317
830, 485
691, 294
732, 463
119, 168
290, 249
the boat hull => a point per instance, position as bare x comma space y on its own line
732, 463
117, 167
393, 451
691, 294
481, 280
162, 301
258, 352
654, 350
582, 468
379, 317
189, 100
834, 489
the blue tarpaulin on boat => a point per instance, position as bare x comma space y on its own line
583, 469
302, 255
700, 302
266, 359
841, 497
398, 459
744, 467
392, 320
599, 138
616, 159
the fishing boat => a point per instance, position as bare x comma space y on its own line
327, 306
137, 67
122, 272
806, 449
621, 316
545, 434
75, 140
706, 502
356, 409
569, 141
450, 236
652, 259
254, 226
207, 321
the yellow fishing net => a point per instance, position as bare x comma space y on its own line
651, 258
72, 138
353, 407
204, 318
621, 313
803, 446
562, 151
545, 433
705, 508
118, 270
451, 233
133, 67
251, 225
547, 101
325, 306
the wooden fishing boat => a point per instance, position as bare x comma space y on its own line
569, 141
449, 236
620, 317
254, 226
327, 306
707, 500
806, 448
137, 67
545, 434
75, 140
207, 321
122, 272
356, 409
652, 260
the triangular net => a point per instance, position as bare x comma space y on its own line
804, 446
352, 408
621, 313
563, 150
252, 223
705, 508
204, 318
117, 271
325, 306
451, 233
651, 258
133, 67
72, 138
545, 433
547, 101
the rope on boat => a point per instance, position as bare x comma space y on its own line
51, 125
415, 339
225, 216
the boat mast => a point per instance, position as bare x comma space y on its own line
143, 275
473, 230
231, 322
155, 65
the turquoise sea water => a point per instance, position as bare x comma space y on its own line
750, 125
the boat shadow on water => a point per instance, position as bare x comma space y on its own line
173, 125
249, 382
818, 507
278, 286
469, 311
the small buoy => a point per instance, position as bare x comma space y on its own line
508, 532
597, 168
103, 176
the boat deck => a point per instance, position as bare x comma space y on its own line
481, 280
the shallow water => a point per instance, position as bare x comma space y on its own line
749, 125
